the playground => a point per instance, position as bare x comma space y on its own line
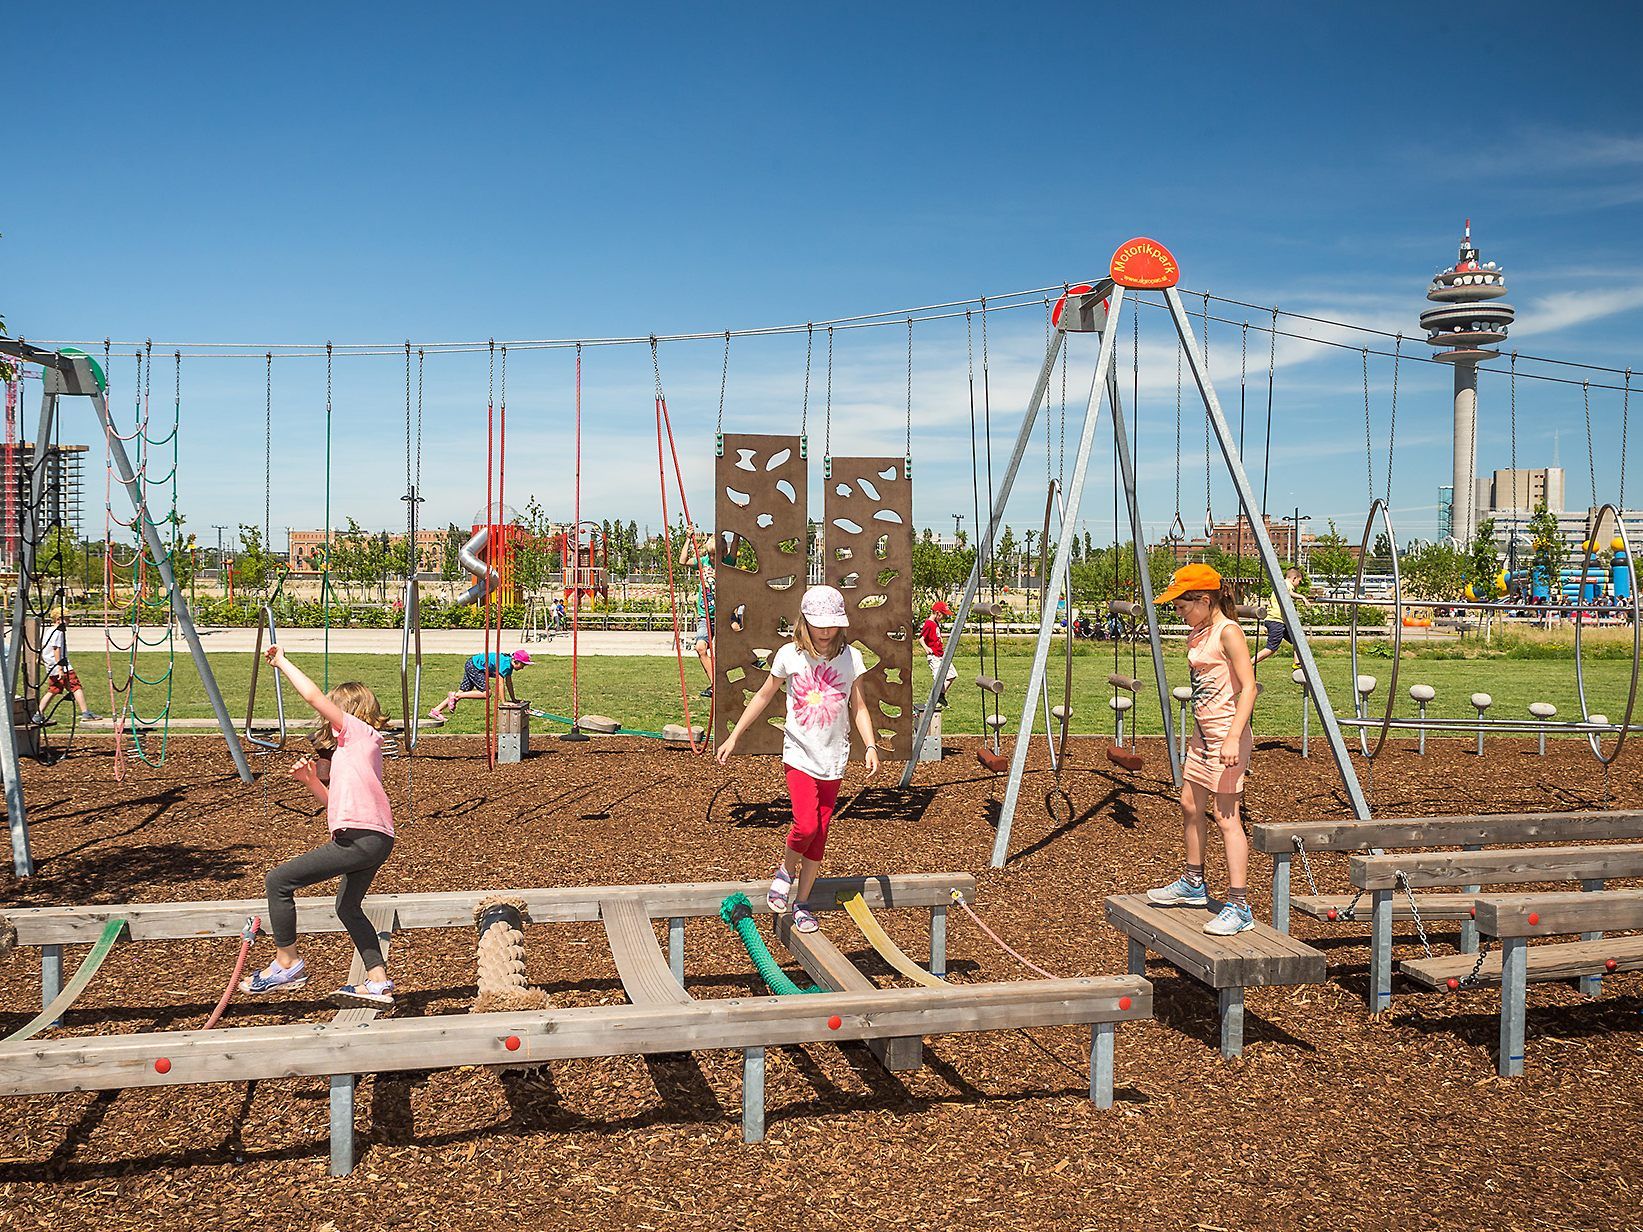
1326, 1105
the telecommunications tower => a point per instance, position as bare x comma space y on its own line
1463, 327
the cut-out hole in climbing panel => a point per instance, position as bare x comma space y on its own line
847, 526
740, 499
887, 515
881, 548
783, 583
778, 459
869, 602
868, 488
787, 490
744, 460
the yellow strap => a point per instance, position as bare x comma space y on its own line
881, 941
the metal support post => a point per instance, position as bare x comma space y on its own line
1514, 998
1232, 1021
973, 583
342, 1123
1101, 1049
1469, 926
51, 974
1591, 985
753, 1094
179, 606
1138, 957
1052, 584
1280, 891
1380, 951
1138, 542
676, 947
1269, 557
938, 941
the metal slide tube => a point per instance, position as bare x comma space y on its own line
1143, 574
157, 550
973, 583
1052, 585
1269, 557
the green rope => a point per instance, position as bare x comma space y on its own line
737, 912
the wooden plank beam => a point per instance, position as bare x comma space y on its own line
1432, 906
1499, 866
391, 1044
825, 963
1278, 837
225, 918
1258, 956
1554, 914
646, 977
1563, 961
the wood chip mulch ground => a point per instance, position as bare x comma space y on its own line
1331, 1119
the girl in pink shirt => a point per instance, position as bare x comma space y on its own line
362, 837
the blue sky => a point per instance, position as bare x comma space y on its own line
222, 174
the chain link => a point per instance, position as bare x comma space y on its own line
724, 379
1591, 458
1470, 979
1402, 879
907, 445
1625, 426
804, 406
267, 450
1392, 426
1306, 865
1368, 444
827, 414
1514, 413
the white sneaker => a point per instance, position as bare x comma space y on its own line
1179, 893
1232, 920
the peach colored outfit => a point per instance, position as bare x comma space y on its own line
1214, 703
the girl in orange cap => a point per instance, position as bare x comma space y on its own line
1223, 698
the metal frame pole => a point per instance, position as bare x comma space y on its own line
1139, 542
1269, 557
157, 551
973, 584
1052, 586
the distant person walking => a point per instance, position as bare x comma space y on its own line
935, 648
1277, 631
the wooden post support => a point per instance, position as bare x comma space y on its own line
1591, 985
753, 1094
342, 1123
51, 974
1514, 996
1280, 891
1101, 1050
1138, 957
938, 941
676, 947
1380, 951
1469, 926
1232, 1021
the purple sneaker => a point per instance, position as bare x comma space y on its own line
370, 995
275, 976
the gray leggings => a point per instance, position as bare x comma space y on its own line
355, 856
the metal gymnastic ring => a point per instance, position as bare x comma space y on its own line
410, 683
1058, 743
1378, 506
1594, 738
265, 624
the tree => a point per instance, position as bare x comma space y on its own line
1381, 553
1482, 563
1331, 557
1003, 556
1434, 571
1547, 551
450, 564
253, 563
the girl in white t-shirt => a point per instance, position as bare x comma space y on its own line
819, 668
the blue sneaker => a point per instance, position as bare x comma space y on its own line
1232, 920
275, 976
1179, 893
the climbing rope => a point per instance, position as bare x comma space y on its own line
958, 897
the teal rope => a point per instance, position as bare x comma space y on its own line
737, 912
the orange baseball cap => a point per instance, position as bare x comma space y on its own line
1190, 577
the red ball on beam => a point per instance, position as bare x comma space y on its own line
1534, 918
511, 1043
1124, 1003
162, 1065
834, 1023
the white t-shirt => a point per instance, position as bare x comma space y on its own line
817, 733
54, 650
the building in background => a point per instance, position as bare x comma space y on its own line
1446, 513
306, 549
1463, 326
64, 485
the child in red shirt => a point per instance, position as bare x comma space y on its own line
934, 647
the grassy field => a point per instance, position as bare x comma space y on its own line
643, 692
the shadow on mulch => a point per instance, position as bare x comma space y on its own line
123, 873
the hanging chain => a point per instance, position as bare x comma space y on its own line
724, 380
267, 449
408, 417
1061, 457
1306, 865
1206, 334
1392, 426
656, 368
1625, 425
1471, 977
827, 414
907, 456
1514, 420
1368, 444
419, 361
1177, 521
1049, 470
1266, 455
1402, 879
804, 406
1591, 460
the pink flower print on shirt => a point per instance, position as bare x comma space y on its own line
817, 695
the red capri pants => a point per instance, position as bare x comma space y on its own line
813, 801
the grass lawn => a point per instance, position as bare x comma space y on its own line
643, 692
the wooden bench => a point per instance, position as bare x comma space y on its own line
1382, 876
1519, 918
1255, 957
1283, 840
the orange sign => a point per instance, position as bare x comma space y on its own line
1145, 265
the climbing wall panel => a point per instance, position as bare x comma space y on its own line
868, 534
761, 486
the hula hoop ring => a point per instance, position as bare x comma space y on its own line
1378, 506
1595, 739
